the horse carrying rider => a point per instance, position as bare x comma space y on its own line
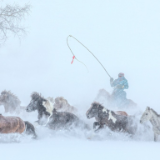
119, 95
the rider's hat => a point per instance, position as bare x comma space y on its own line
121, 75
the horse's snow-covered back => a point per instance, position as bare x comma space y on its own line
154, 118
107, 98
62, 105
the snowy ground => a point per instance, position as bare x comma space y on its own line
78, 144
71, 149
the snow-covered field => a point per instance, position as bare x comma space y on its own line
124, 36
78, 144
70, 149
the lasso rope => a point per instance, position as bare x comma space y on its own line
74, 57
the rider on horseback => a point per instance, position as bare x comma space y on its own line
119, 95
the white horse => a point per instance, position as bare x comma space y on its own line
154, 118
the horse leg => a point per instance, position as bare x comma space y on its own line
37, 123
97, 126
6, 109
12, 109
18, 110
155, 137
30, 129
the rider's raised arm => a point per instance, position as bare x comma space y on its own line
112, 82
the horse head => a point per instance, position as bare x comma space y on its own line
60, 102
94, 110
36, 102
146, 115
4, 96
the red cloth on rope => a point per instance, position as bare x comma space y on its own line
73, 59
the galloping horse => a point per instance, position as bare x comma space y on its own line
53, 118
115, 122
154, 118
10, 102
107, 97
16, 125
61, 104
42, 105
65, 120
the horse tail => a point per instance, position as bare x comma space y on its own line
30, 130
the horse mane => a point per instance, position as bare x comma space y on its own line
97, 104
51, 99
47, 103
36, 96
62, 99
155, 112
10, 94
54, 110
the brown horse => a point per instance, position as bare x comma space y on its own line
16, 125
121, 113
61, 104
115, 122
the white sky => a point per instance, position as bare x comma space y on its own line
123, 35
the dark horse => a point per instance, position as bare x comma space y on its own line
16, 125
115, 122
53, 119
42, 105
65, 120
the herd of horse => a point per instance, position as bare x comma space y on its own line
58, 114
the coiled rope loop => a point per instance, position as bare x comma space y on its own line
88, 51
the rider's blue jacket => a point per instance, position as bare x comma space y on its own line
119, 84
